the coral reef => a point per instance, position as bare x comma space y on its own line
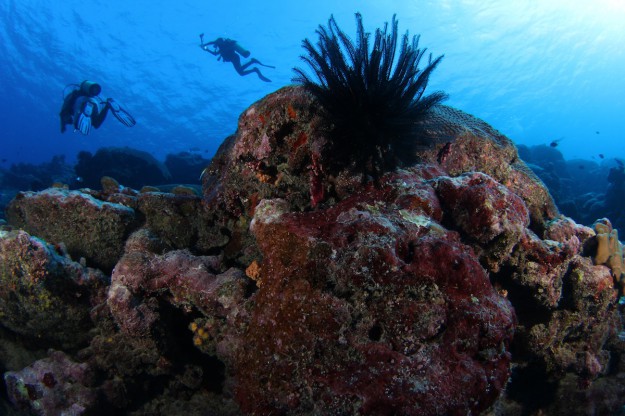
87, 227
29, 177
583, 190
609, 250
44, 296
291, 286
187, 282
180, 221
366, 309
615, 195
133, 168
491, 216
185, 167
373, 98
53, 386
528, 261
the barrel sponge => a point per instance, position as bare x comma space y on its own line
609, 249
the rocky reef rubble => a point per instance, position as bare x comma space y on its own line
449, 287
53, 385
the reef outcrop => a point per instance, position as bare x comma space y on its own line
367, 314
88, 227
449, 286
44, 296
134, 168
53, 386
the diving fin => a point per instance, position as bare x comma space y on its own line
83, 123
120, 114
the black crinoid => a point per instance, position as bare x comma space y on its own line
373, 97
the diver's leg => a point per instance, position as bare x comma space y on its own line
120, 113
244, 66
242, 69
256, 61
98, 118
261, 76
85, 110
236, 62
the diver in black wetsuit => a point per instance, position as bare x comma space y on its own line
83, 108
229, 50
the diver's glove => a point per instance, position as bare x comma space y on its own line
83, 124
120, 114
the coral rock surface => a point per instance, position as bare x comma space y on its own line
296, 285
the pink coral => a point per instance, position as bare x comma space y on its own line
187, 282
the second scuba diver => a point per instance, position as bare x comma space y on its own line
84, 108
229, 50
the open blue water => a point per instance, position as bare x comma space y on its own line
536, 70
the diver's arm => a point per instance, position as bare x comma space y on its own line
210, 51
205, 46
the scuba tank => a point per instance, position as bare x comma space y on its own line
244, 52
90, 88
234, 45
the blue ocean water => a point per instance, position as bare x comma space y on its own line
537, 71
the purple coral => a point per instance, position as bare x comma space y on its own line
53, 386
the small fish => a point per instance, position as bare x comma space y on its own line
581, 167
601, 155
555, 142
619, 162
597, 132
443, 153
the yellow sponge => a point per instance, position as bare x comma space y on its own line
609, 249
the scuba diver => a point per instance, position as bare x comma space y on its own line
83, 108
227, 49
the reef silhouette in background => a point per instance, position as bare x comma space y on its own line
374, 103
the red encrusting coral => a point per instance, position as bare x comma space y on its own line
356, 302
